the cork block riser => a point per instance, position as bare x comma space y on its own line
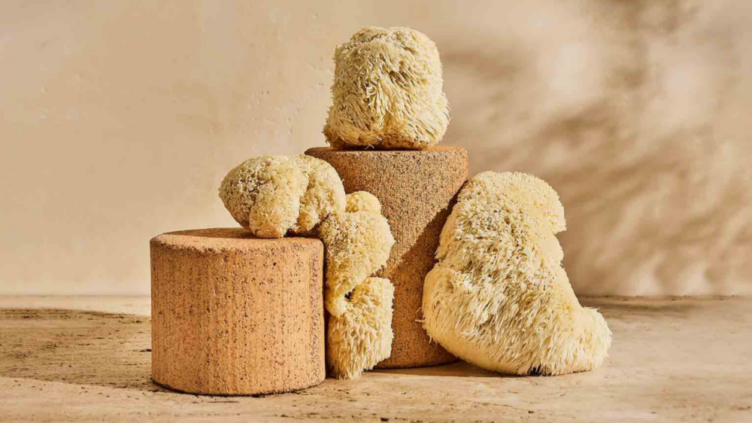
416, 190
235, 315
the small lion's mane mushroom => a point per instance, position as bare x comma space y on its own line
362, 336
273, 195
358, 243
387, 91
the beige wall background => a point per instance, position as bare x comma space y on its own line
118, 120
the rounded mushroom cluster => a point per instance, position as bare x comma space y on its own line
273, 195
387, 91
358, 243
499, 296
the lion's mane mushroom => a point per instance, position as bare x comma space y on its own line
387, 91
273, 195
499, 297
358, 243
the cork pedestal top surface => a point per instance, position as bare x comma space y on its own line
225, 239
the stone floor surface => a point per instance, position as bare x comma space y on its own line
80, 359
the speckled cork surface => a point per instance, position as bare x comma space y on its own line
416, 189
236, 315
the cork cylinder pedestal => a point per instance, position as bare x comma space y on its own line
236, 315
416, 190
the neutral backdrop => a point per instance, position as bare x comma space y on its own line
118, 120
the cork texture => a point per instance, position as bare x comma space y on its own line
237, 315
416, 190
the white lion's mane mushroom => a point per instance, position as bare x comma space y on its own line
358, 243
273, 195
499, 297
387, 92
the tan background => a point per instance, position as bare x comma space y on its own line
118, 120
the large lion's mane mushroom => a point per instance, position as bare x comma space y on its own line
358, 243
499, 296
273, 195
387, 91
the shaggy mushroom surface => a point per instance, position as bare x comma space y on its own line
358, 242
387, 92
273, 195
499, 297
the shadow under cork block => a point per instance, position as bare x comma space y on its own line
77, 347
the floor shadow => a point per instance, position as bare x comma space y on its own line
648, 307
456, 369
109, 350
77, 347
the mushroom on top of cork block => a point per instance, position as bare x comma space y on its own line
416, 190
236, 315
272, 196
388, 91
